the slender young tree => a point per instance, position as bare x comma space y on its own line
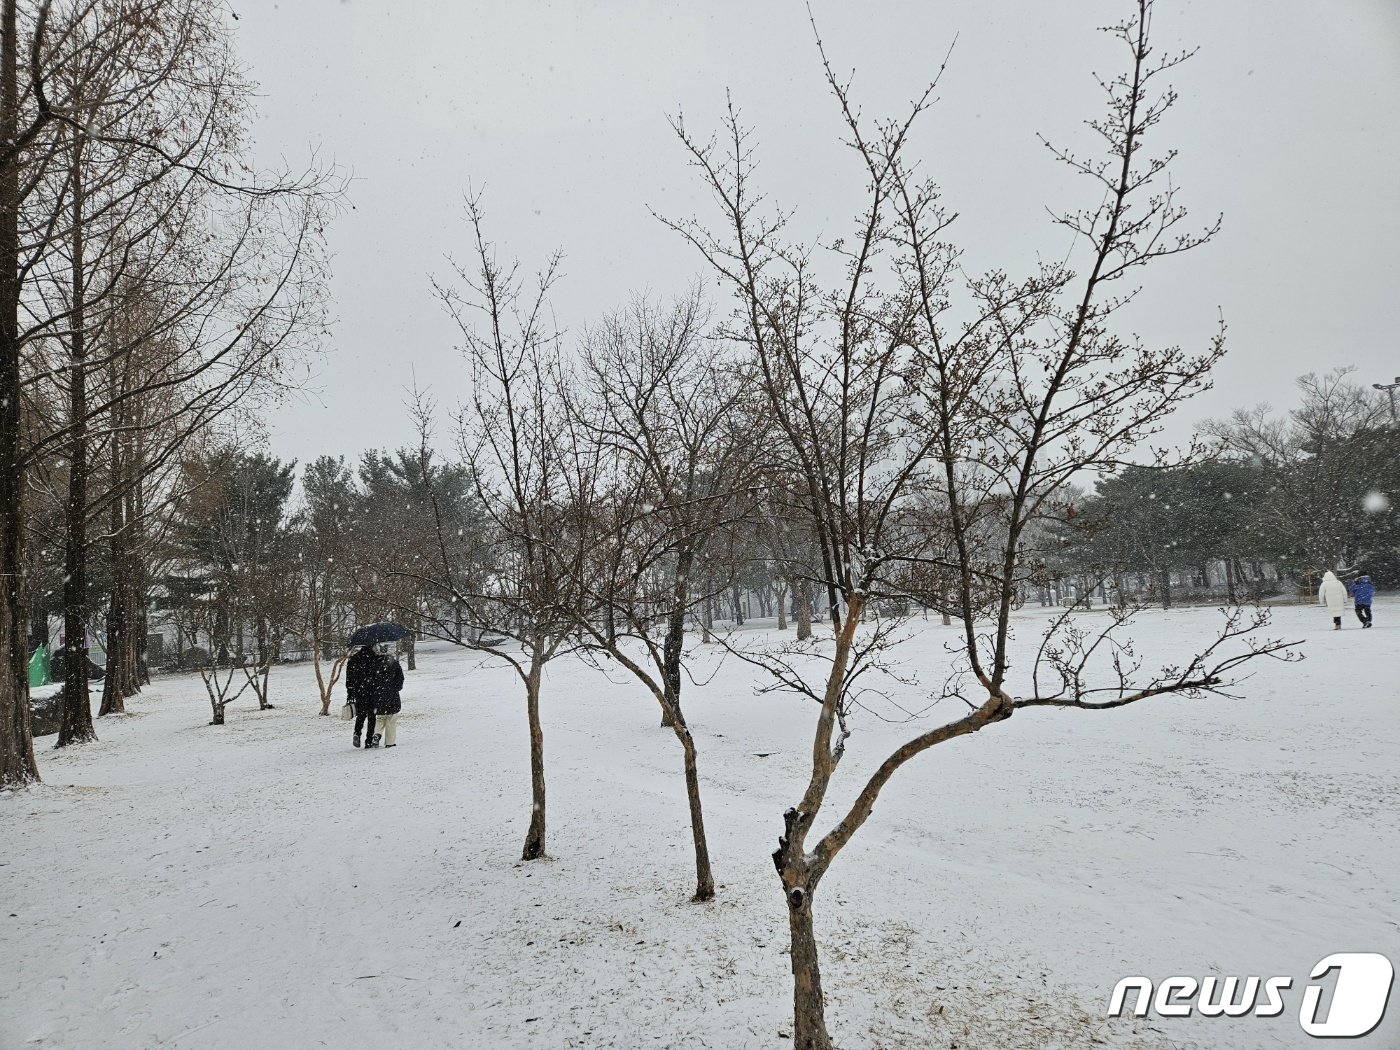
884, 392
511, 440
324, 529
662, 469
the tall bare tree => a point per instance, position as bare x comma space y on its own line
129, 170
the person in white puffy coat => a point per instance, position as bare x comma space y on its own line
1333, 594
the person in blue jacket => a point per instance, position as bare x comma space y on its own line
1362, 591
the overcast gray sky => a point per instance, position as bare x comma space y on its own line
1289, 124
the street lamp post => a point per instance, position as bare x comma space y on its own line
1390, 389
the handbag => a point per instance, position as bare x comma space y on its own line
347, 713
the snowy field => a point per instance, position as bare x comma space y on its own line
265, 885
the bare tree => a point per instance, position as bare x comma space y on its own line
510, 439
207, 615
147, 258
883, 390
663, 470
324, 528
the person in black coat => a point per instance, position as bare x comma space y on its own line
387, 703
362, 673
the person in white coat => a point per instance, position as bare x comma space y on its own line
1333, 594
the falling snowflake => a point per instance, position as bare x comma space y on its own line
1375, 502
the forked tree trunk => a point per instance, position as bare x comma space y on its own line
797, 871
324, 688
535, 837
326, 679
17, 764
267, 652
704, 877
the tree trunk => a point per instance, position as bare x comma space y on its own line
38, 625
218, 715
324, 684
674, 643
75, 720
1166, 588
1230, 580
114, 684
113, 696
809, 1006
266, 653
140, 662
138, 571
704, 878
222, 625
782, 605
796, 870
125, 618
411, 651
17, 764
804, 609
534, 838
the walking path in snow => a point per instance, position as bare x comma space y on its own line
266, 885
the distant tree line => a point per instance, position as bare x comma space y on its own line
1296, 493
153, 285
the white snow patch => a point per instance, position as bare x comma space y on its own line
265, 884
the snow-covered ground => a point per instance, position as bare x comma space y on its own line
265, 885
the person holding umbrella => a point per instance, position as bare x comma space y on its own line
361, 682
371, 679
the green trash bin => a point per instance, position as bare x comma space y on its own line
39, 670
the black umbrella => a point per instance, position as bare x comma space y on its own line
375, 633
